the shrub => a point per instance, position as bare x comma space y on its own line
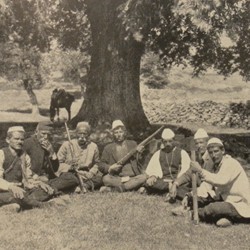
152, 73
17, 63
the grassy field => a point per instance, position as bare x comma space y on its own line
120, 221
114, 221
182, 88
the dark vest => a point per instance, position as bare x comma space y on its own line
39, 158
14, 173
170, 163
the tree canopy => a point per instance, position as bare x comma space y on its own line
180, 31
117, 32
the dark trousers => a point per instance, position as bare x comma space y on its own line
32, 198
220, 209
94, 183
161, 187
66, 182
132, 184
28, 202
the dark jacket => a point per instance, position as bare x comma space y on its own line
110, 157
40, 162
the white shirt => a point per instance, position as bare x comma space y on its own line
154, 166
232, 184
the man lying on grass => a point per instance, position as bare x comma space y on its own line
228, 199
166, 165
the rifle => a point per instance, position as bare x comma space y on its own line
124, 159
73, 156
194, 190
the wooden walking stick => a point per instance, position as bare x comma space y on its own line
194, 190
73, 156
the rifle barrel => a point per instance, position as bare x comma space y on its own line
143, 143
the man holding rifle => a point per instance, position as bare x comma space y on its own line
81, 155
166, 165
120, 176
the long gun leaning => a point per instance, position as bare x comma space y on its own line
143, 143
73, 156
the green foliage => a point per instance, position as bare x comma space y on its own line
72, 28
73, 64
29, 22
152, 73
18, 64
189, 32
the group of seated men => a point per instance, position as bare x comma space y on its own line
32, 173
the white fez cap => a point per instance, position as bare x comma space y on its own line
117, 123
167, 134
200, 134
16, 129
214, 141
81, 125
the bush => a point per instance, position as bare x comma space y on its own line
152, 73
18, 63
73, 64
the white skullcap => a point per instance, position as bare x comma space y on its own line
214, 141
117, 123
200, 134
16, 129
167, 134
81, 125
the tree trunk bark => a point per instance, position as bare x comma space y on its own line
113, 90
32, 96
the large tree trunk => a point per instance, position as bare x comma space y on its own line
113, 90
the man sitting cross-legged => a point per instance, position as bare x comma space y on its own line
17, 184
83, 155
166, 165
44, 161
120, 177
228, 199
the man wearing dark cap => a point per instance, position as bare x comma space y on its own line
44, 161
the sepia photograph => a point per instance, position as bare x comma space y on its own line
124, 124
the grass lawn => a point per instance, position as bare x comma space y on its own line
114, 221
